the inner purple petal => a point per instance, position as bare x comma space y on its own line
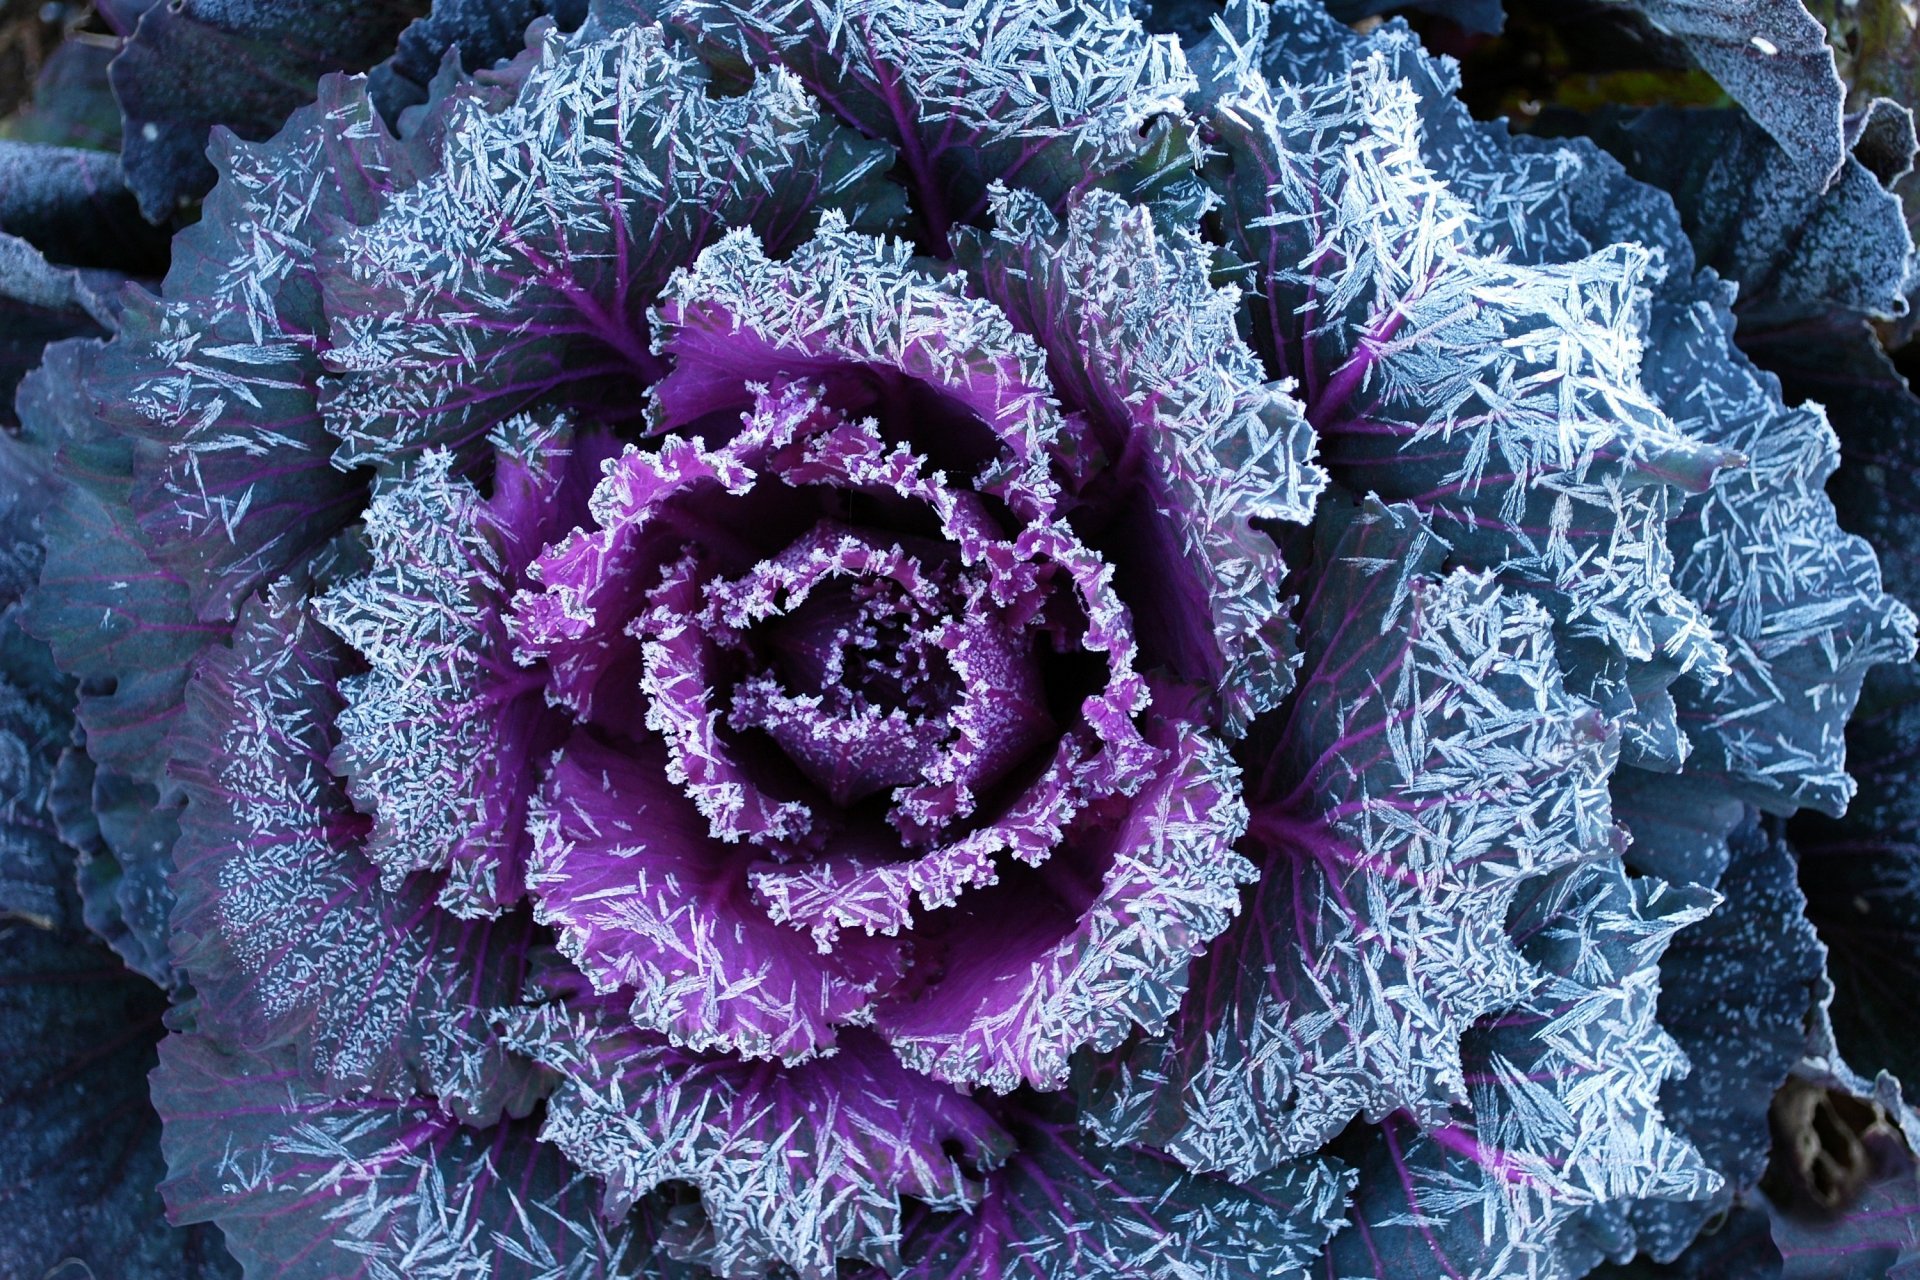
862, 883
850, 755
1001, 719
686, 666
877, 661
881, 681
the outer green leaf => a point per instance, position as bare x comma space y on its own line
1054, 96
523, 269
310, 1185
1431, 763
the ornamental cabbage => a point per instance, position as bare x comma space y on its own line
927, 640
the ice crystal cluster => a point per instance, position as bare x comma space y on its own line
1023, 639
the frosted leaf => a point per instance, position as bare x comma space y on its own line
1863, 869
485, 33
1796, 601
1064, 1208
646, 900
120, 625
1798, 249
1565, 1094
799, 1167
1430, 764
199, 68
1016, 999
844, 299
1771, 57
1056, 96
122, 833
523, 268
283, 926
1140, 344
222, 374
1517, 188
70, 230
127, 631
1736, 991
441, 740
425, 749
47, 300
310, 1185
1566, 1086
1503, 400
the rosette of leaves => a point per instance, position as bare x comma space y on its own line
769, 656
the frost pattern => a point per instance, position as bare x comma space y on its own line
1065, 1207
1502, 399
1736, 993
646, 900
523, 268
844, 298
1796, 601
1139, 339
309, 1185
1566, 1085
1517, 189
282, 925
1174, 884
1055, 96
1432, 762
798, 1167
224, 373
436, 739
1565, 1092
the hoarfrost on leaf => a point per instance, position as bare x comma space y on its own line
1064, 1206
308, 1184
1057, 97
797, 1167
283, 926
1142, 345
441, 739
1430, 765
1502, 399
522, 270
1565, 1100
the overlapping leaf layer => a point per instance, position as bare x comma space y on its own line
958, 639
